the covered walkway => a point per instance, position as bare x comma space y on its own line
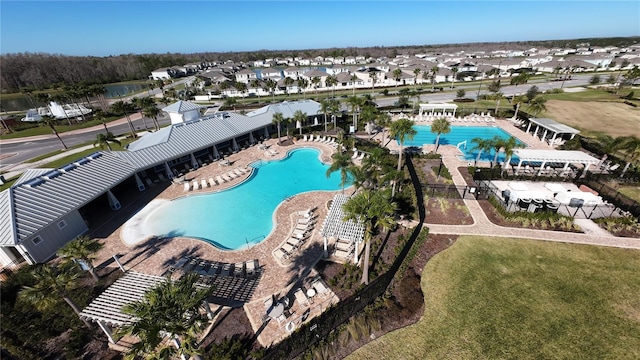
552, 162
552, 130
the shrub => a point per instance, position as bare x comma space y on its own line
554, 91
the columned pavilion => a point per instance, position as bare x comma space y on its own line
550, 130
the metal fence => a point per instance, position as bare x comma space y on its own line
320, 327
450, 191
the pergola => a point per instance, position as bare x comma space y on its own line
106, 309
565, 157
552, 126
335, 226
431, 108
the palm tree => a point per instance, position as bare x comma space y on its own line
537, 105
52, 283
434, 72
520, 79
374, 79
277, 119
508, 147
256, 85
104, 140
287, 83
383, 120
496, 144
402, 130
302, 85
481, 145
416, 72
141, 103
82, 249
171, 308
373, 209
49, 121
353, 79
355, 103
397, 73
152, 112
241, 87
454, 71
440, 126
315, 81
121, 107
325, 105
518, 100
301, 117
341, 162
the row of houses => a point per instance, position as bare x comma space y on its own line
46, 208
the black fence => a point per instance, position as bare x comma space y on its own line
612, 195
320, 327
450, 191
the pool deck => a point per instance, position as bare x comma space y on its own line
154, 256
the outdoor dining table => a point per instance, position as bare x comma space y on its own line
311, 292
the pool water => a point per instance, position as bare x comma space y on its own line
458, 135
243, 215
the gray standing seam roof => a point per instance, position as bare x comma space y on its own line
40, 201
7, 231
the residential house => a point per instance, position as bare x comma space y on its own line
246, 76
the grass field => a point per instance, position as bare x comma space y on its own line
631, 191
594, 112
489, 298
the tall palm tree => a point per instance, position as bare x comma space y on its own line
121, 107
316, 81
374, 79
277, 119
287, 83
355, 102
481, 145
256, 85
241, 87
82, 249
537, 105
520, 79
302, 86
454, 71
397, 73
141, 103
416, 73
518, 100
440, 126
373, 209
104, 140
172, 308
49, 122
383, 120
508, 147
341, 162
496, 143
152, 112
401, 129
434, 72
353, 79
301, 117
51, 284
325, 105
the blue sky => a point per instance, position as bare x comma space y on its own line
122, 27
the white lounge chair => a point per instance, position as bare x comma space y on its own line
320, 288
355, 154
304, 138
281, 254
238, 172
203, 183
360, 157
187, 186
196, 185
232, 175
212, 182
287, 247
301, 298
220, 180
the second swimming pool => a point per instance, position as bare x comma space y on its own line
243, 215
458, 135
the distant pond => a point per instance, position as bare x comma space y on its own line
22, 102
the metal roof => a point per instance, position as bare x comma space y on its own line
287, 109
554, 126
560, 156
7, 230
42, 200
30, 174
184, 138
107, 307
181, 107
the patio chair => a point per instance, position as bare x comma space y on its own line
281, 254
238, 269
251, 267
187, 186
203, 183
301, 298
212, 182
214, 269
320, 288
220, 180
226, 270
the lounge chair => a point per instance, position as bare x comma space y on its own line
299, 233
196, 185
190, 265
301, 298
238, 172
226, 177
226, 270
220, 180
355, 154
214, 269
304, 138
294, 241
320, 288
360, 157
231, 175
281, 254
288, 248
342, 254
203, 183
343, 246
212, 182
187, 186
238, 269
252, 267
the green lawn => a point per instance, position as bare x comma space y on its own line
490, 298
63, 127
631, 191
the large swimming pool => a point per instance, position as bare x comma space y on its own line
458, 136
243, 215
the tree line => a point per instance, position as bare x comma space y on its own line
33, 71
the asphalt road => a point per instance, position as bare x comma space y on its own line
32, 148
